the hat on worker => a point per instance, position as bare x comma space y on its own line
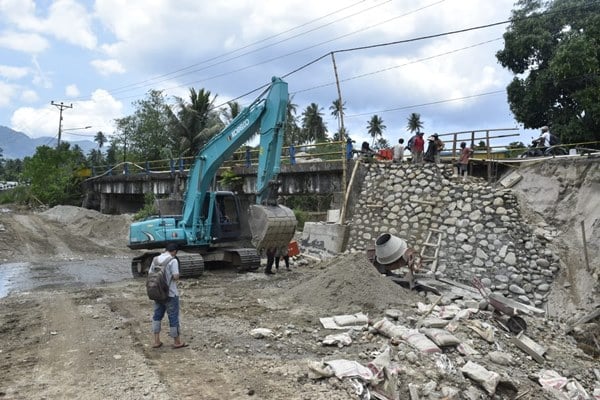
171, 247
544, 128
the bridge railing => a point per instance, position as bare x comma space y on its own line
291, 155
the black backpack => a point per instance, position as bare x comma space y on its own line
554, 140
157, 286
410, 143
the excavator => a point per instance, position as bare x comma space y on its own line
209, 228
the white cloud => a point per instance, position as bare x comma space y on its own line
98, 112
29, 96
7, 91
13, 73
72, 90
24, 42
67, 20
108, 67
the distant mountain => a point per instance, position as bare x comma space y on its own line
18, 145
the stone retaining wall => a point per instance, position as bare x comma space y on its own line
483, 233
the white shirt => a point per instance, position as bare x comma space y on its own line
398, 152
171, 269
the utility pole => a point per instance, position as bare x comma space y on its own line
61, 107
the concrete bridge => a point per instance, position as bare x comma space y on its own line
124, 193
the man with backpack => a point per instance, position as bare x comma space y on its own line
162, 288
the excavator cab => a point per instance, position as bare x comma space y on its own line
226, 225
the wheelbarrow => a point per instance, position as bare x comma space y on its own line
502, 305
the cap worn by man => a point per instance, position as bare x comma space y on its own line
171, 247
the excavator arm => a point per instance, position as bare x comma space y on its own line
271, 225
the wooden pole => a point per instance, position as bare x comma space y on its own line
342, 129
342, 218
585, 253
489, 156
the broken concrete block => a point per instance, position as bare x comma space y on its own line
530, 347
487, 379
511, 179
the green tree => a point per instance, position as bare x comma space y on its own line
381, 143
11, 169
552, 48
50, 173
196, 121
231, 111
414, 123
145, 135
337, 110
313, 126
375, 127
100, 138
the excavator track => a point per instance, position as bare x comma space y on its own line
249, 259
190, 265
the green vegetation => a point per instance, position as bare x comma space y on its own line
50, 174
552, 48
149, 208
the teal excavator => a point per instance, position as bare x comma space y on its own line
209, 228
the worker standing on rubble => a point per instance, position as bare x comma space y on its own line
271, 253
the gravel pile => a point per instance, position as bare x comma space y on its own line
350, 283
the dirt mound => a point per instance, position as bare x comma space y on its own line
564, 193
350, 283
106, 230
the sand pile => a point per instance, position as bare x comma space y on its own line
349, 283
108, 230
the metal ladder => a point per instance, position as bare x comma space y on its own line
431, 248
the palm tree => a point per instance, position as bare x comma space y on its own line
195, 122
414, 123
230, 113
292, 130
313, 127
337, 110
375, 127
100, 138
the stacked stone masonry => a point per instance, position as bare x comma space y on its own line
483, 235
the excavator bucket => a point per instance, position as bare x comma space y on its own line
271, 226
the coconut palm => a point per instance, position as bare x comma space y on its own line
232, 111
313, 126
292, 130
414, 123
100, 138
337, 110
375, 127
195, 122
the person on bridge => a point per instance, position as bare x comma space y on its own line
463, 161
171, 306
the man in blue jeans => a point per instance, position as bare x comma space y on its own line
171, 306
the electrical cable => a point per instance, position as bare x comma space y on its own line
152, 81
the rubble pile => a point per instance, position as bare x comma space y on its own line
483, 233
449, 348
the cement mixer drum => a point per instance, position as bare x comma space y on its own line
271, 226
389, 248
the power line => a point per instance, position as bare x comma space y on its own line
396, 66
425, 104
153, 81
289, 54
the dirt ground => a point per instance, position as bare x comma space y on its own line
73, 323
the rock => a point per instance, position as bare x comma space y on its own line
498, 202
544, 287
510, 259
481, 254
467, 248
487, 379
260, 333
461, 237
502, 278
516, 289
500, 358
501, 211
542, 262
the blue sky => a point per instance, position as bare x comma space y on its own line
102, 55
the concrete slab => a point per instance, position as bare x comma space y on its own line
511, 179
530, 347
324, 240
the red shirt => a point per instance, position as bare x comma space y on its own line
419, 144
464, 155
